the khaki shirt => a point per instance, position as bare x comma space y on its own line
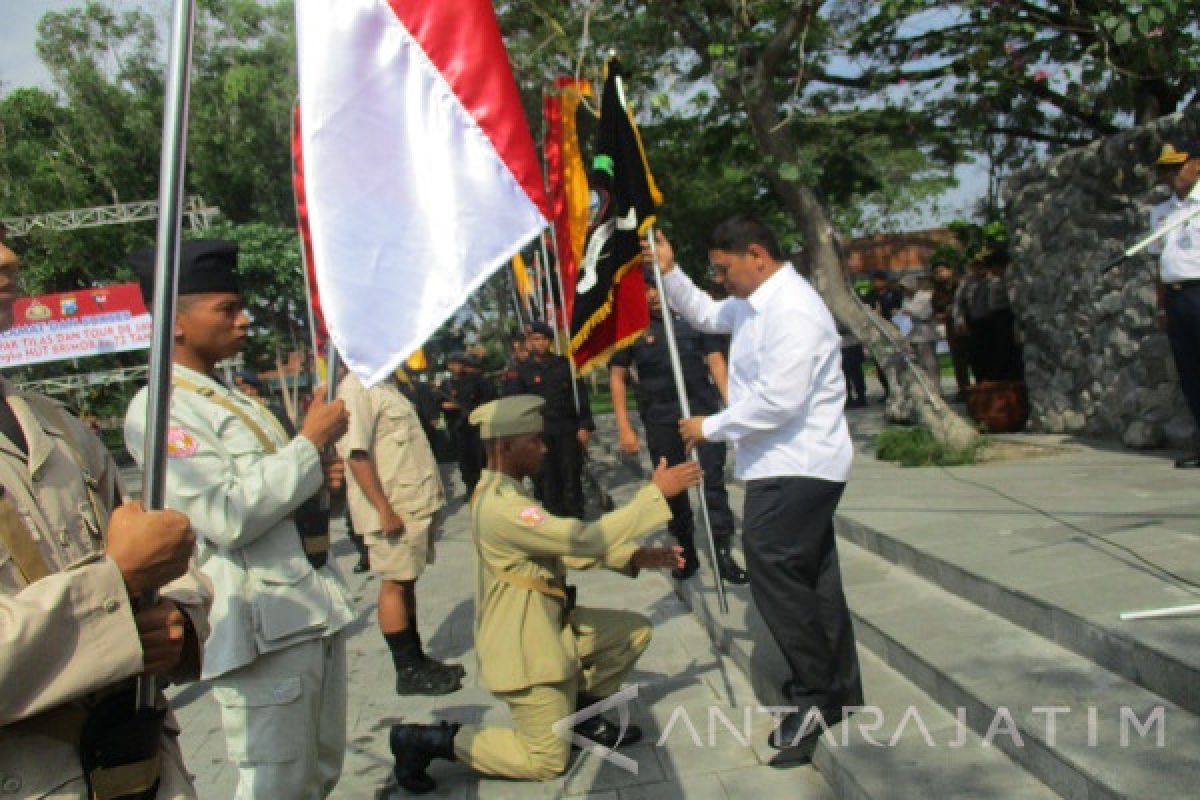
519, 635
386, 426
239, 499
72, 633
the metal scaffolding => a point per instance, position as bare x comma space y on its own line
196, 212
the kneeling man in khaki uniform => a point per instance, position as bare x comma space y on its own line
537, 652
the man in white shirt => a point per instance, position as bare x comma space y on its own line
785, 418
1179, 273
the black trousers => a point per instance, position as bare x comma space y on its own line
470, 457
792, 559
561, 480
852, 370
1183, 332
663, 441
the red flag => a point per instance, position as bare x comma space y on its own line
420, 174
320, 335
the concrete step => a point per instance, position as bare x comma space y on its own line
1007, 684
905, 745
1064, 586
882, 752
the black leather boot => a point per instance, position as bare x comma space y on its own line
602, 730
414, 746
730, 571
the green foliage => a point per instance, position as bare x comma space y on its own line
867, 161
917, 447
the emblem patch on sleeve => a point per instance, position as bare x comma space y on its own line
532, 516
181, 444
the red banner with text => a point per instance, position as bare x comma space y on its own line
86, 322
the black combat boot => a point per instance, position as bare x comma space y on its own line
729, 569
602, 730
414, 746
457, 670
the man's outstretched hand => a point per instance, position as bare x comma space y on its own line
677, 479
658, 557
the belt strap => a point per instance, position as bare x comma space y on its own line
316, 545
527, 582
21, 545
233, 408
125, 780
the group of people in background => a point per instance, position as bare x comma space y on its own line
971, 313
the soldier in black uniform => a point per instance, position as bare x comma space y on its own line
649, 360
567, 431
465, 391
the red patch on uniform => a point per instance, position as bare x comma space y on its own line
532, 516
181, 444
537, 378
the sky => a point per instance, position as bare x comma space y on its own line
19, 66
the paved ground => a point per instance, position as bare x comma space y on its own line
679, 675
1089, 528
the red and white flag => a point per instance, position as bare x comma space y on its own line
420, 173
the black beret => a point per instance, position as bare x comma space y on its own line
540, 327
457, 355
205, 265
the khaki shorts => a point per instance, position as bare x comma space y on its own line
403, 557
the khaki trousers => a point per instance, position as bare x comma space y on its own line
284, 716
609, 643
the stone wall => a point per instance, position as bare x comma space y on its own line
1095, 361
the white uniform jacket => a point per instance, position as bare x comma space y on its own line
240, 499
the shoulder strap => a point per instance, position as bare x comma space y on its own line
20, 543
47, 410
266, 441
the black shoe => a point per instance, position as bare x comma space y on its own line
729, 569
607, 733
602, 730
691, 563
414, 746
362, 566
787, 735
458, 670
1188, 463
419, 677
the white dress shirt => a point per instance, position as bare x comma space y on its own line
1180, 249
786, 392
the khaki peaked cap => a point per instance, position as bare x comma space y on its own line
509, 416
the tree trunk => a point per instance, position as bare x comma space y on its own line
912, 396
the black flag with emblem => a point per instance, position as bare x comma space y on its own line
610, 294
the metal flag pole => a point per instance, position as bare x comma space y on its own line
686, 410
516, 300
166, 274
539, 313
1162, 613
1145, 242
566, 351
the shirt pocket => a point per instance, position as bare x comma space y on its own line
264, 719
284, 589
